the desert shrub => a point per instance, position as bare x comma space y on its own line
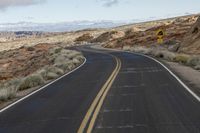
42, 72
58, 50
197, 67
126, 48
7, 93
73, 54
9, 89
168, 55
70, 64
129, 32
46, 74
76, 61
151, 51
65, 55
158, 54
30, 48
141, 49
13, 82
65, 52
63, 61
50, 72
55, 50
31, 81
60, 59
165, 55
51, 75
181, 58
55, 70
63, 66
155, 52
193, 61
80, 58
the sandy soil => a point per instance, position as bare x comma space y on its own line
66, 38
188, 74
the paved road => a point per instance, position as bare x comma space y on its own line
60, 107
144, 98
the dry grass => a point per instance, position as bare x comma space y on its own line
181, 58
165, 54
194, 61
31, 81
7, 93
55, 70
62, 61
141, 49
51, 75
9, 89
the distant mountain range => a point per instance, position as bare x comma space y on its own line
72, 26
58, 27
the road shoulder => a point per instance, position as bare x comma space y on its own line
29, 92
187, 74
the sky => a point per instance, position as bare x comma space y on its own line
53, 11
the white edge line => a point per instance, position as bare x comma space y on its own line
32, 93
176, 77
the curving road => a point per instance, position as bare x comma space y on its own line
114, 92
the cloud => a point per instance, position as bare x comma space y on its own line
109, 3
4, 4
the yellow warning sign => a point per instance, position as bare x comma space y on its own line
160, 34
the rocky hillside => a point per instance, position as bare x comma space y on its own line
191, 42
9, 40
12, 63
175, 29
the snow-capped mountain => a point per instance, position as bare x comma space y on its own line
58, 27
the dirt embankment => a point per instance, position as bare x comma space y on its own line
174, 32
27, 68
67, 38
191, 42
144, 34
24, 61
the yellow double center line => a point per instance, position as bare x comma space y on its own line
96, 105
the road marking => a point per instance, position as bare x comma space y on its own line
120, 110
165, 67
98, 101
11, 105
97, 110
176, 77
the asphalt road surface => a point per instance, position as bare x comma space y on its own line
138, 96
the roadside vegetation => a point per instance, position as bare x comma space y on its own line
62, 61
185, 59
